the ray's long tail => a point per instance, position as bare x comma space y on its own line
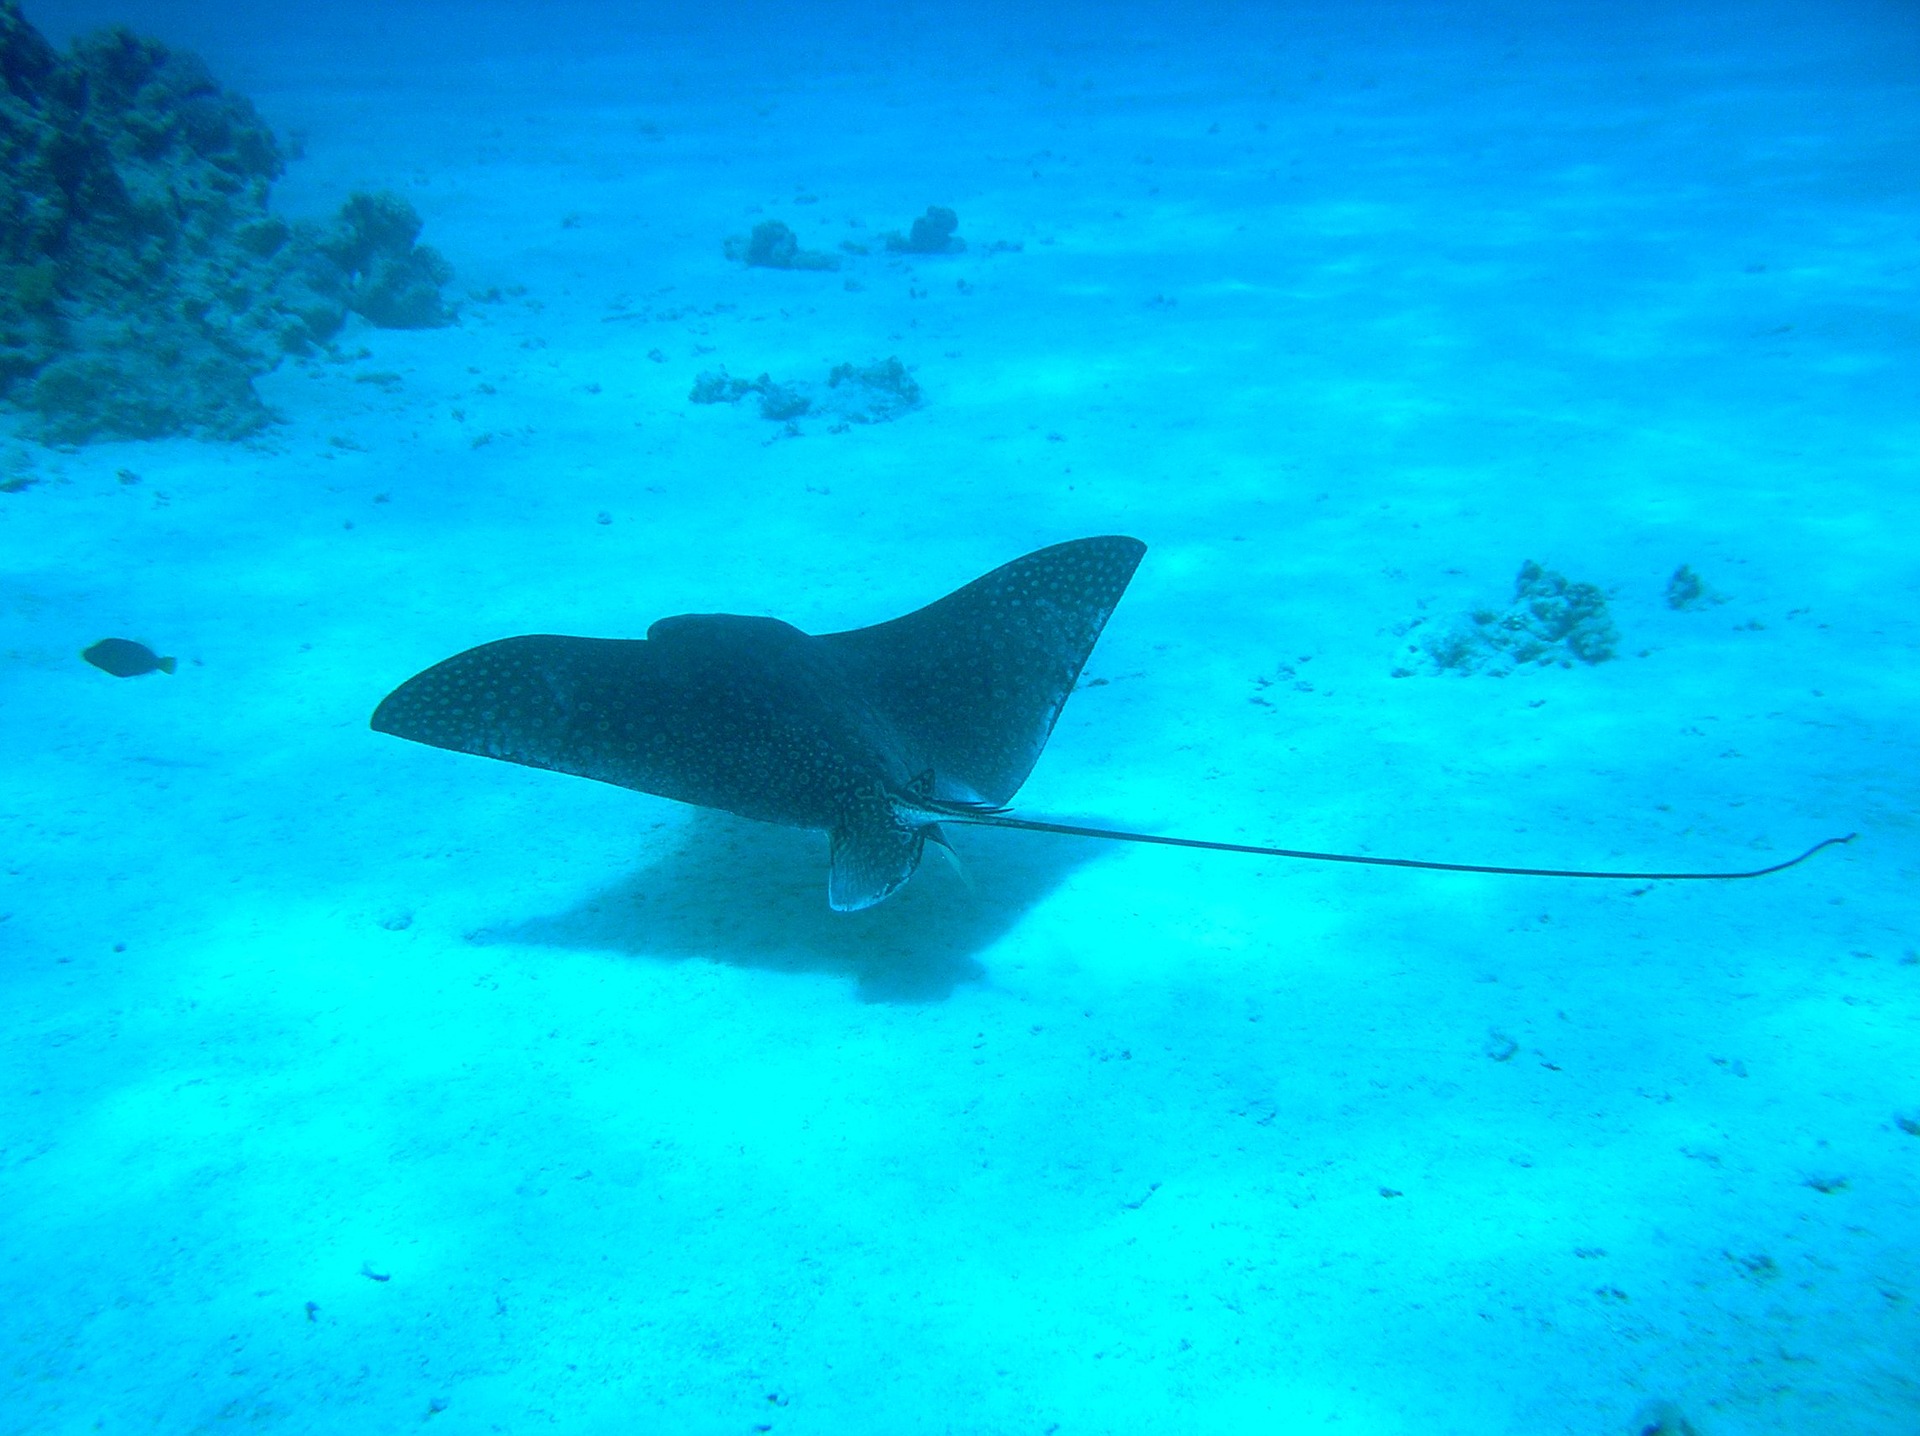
984, 816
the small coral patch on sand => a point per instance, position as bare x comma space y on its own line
1552, 621
931, 233
774, 245
853, 394
1687, 591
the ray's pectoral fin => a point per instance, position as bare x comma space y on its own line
873, 855
977, 680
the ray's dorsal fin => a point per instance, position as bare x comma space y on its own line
977, 679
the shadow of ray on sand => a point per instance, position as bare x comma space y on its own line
754, 895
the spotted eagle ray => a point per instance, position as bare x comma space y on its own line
875, 736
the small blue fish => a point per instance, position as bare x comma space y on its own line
124, 658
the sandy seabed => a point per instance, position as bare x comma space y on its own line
351, 1085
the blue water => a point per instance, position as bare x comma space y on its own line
355, 1086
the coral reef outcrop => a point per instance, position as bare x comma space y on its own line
144, 282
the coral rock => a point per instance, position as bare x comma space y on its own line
143, 282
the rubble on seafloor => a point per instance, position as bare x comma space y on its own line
852, 394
